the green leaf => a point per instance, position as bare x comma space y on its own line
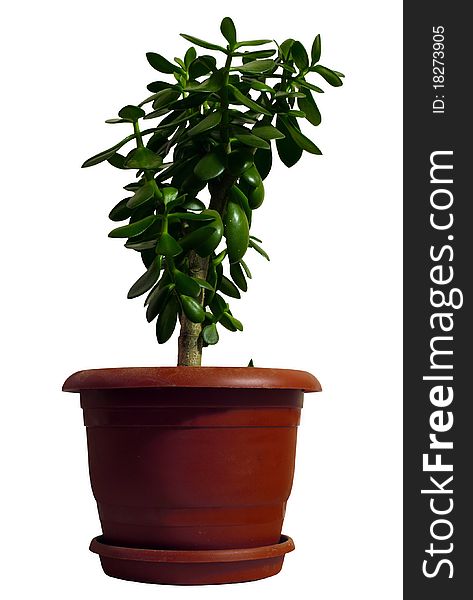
261, 87
192, 309
204, 284
203, 43
213, 84
256, 66
316, 50
164, 98
133, 229
255, 54
209, 167
310, 108
157, 86
305, 84
252, 140
300, 57
208, 122
252, 43
188, 216
301, 140
256, 196
106, 154
202, 65
227, 27
238, 276
157, 299
210, 334
252, 177
194, 239
161, 64
120, 211
113, 121
117, 160
251, 363
330, 76
227, 318
143, 158
167, 319
289, 152
167, 246
169, 195
142, 195
190, 56
228, 288
240, 97
263, 162
246, 269
285, 47
267, 132
186, 284
239, 160
131, 113
147, 280
255, 246
236, 231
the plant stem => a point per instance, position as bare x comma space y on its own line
190, 339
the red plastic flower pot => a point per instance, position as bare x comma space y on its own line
191, 468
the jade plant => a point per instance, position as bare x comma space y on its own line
200, 170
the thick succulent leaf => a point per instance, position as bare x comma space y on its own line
186, 284
120, 211
330, 76
300, 57
252, 43
201, 66
305, 84
227, 27
310, 108
167, 319
252, 140
236, 231
255, 246
142, 195
133, 229
208, 122
300, 139
289, 152
316, 50
168, 246
238, 276
241, 98
143, 158
156, 301
209, 167
147, 280
256, 66
213, 84
192, 309
106, 154
263, 162
267, 132
131, 113
210, 334
202, 43
161, 64
194, 239
228, 288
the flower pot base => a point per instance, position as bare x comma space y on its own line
191, 567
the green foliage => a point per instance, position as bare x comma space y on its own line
216, 126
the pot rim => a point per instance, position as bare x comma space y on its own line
192, 377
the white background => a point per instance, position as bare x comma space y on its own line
328, 302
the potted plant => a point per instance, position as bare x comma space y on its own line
192, 466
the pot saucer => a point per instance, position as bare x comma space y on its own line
191, 567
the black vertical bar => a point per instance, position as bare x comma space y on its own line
438, 257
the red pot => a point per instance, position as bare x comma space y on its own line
191, 468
